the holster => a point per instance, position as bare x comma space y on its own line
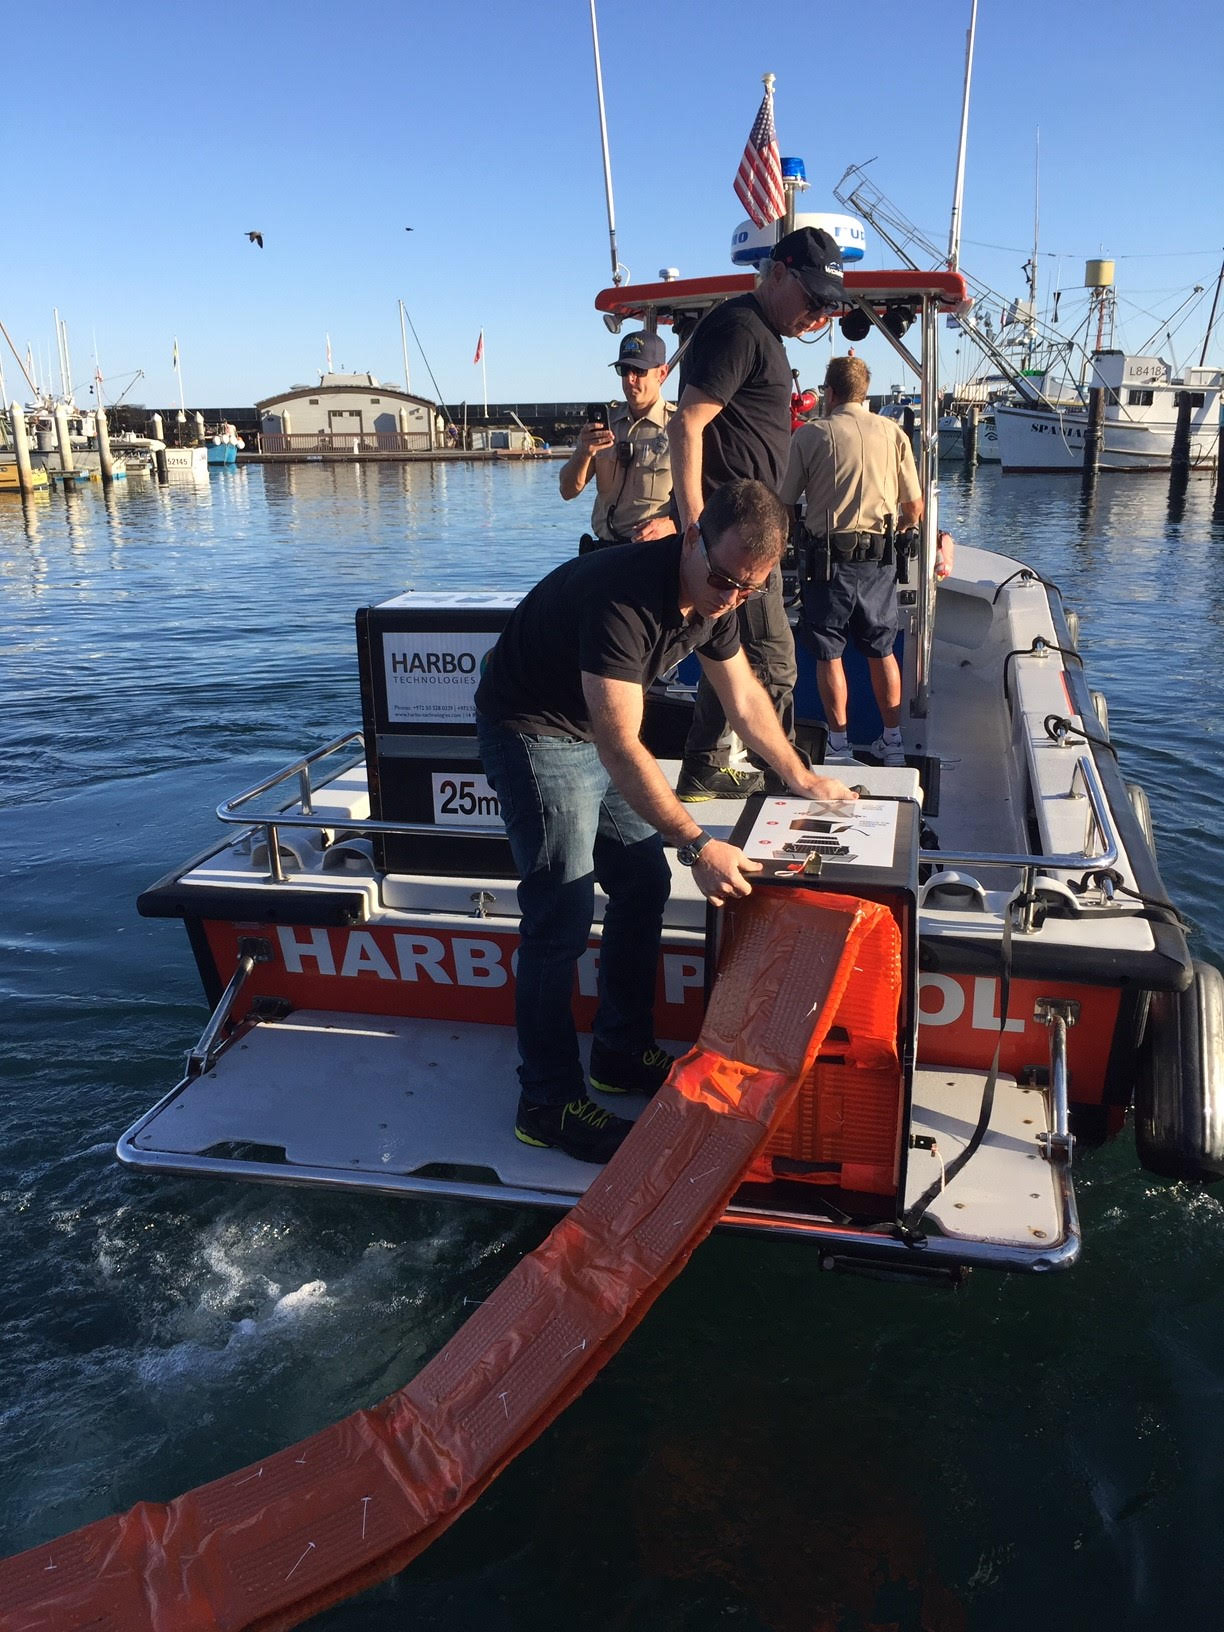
817, 560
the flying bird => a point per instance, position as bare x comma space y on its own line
256, 238
408, 229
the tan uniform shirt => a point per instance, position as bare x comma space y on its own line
854, 469
640, 490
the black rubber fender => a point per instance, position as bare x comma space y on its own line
1179, 1087
1143, 813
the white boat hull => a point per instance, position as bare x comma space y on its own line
1043, 439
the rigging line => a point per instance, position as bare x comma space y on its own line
20, 360
1057, 254
425, 360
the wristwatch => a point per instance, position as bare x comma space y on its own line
688, 852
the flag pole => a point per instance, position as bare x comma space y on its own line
484, 378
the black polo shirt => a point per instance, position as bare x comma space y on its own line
614, 613
739, 360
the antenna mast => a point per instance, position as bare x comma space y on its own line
618, 271
954, 228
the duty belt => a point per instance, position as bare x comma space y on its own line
852, 546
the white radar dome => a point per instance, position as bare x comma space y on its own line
751, 245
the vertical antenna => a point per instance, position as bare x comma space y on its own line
954, 229
617, 270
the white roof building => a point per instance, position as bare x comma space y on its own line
353, 409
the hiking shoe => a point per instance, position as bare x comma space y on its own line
717, 782
888, 753
840, 756
581, 1129
615, 1073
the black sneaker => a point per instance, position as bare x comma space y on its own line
581, 1128
717, 782
615, 1073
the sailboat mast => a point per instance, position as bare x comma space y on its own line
954, 227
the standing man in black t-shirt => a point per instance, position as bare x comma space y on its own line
733, 420
559, 716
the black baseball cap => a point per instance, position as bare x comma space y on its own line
813, 255
641, 350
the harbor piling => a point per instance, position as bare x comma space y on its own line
21, 448
159, 430
969, 431
1094, 435
1179, 462
106, 463
63, 439
163, 469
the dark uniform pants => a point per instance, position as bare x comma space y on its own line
765, 634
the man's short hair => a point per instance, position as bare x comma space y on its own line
848, 378
753, 509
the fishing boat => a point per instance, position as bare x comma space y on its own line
357, 926
1139, 419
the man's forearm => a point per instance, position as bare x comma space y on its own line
575, 473
637, 776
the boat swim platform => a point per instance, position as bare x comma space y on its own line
425, 1108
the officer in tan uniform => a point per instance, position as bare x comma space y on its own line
630, 459
856, 472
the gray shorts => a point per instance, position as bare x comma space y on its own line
858, 602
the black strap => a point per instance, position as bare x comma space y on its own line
908, 1226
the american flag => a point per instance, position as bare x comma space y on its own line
479, 347
758, 182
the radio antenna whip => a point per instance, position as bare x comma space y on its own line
954, 228
619, 272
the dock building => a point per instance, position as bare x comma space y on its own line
348, 413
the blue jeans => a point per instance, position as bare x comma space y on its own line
568, 829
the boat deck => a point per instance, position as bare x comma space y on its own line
428, 1109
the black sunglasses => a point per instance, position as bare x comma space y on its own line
723, 581
629, 368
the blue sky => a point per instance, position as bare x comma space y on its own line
150, 146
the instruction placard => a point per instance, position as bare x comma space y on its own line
849, 832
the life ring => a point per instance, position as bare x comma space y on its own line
1179, 1087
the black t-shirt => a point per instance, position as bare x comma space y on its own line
614, 613
736, 358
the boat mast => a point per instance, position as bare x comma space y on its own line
1215, 301
954, 227
404, 345
1031, 326
618, 271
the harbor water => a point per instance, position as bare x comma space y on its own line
775, 1449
